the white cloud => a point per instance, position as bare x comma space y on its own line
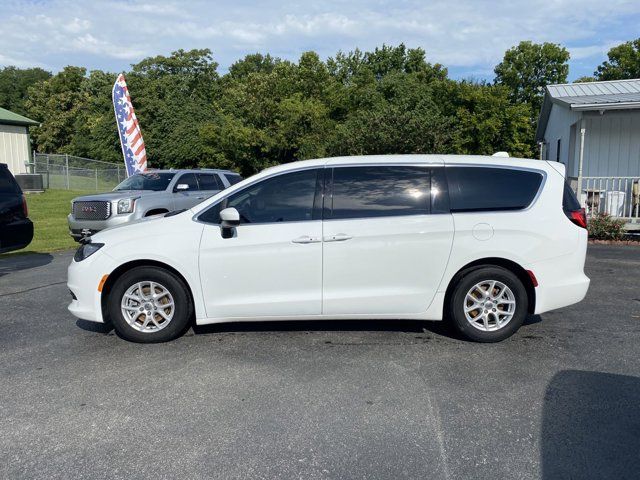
90, 44
469, 36
76, 25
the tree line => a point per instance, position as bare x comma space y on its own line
266, 110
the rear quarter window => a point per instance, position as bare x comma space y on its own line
476, 189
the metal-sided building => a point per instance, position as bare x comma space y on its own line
594, 129
15, 149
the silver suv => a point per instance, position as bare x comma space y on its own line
145, 194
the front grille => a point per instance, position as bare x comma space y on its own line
91, 210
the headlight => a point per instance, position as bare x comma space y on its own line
87, 250
126, 205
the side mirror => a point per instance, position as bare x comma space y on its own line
181, 187
229, 218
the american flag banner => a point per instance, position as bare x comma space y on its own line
135, 156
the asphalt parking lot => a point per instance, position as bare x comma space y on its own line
560, 399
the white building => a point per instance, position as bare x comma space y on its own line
14, 141
594, 129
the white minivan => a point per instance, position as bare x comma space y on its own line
478, 241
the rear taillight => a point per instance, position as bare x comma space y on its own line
579, 217
25, 208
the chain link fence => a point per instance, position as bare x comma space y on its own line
68, 172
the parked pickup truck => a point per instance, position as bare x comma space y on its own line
143, 195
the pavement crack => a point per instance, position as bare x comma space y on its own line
434, 413
31, 289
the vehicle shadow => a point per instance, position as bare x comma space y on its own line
438, 328
94, 326
15, 263
591, 426
532, 320
401, 326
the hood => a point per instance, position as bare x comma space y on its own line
110, 196
140, 226
146, 229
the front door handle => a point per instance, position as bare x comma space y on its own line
306, 239
338, 237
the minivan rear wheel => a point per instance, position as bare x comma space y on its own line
488, 304
149, 305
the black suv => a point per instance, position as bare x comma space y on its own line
16, 230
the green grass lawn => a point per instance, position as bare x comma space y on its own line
49, 211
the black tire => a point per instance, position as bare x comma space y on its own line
175, 286
457, 303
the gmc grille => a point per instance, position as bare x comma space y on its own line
91, 210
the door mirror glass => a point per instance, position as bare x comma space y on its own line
181, 187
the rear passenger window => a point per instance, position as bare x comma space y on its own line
208, 181
473, 189
362, 192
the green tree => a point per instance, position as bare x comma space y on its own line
253, 63
400, 116
95, 127
266, 111
623, 62
529, 67
486, 120
585, 79
14, 84
270, 116
56, 102
172, 97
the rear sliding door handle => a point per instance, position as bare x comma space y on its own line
338, 237
306, 239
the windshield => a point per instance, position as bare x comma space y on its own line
146, 181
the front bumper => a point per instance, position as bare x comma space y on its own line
83, 280
90, 227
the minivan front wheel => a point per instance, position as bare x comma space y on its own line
149, 304
488, 304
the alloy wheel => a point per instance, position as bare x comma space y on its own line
147, 306
489, 305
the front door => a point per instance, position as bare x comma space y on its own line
387, 239
272, 266
186, 197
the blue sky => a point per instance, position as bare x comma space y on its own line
467, 36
